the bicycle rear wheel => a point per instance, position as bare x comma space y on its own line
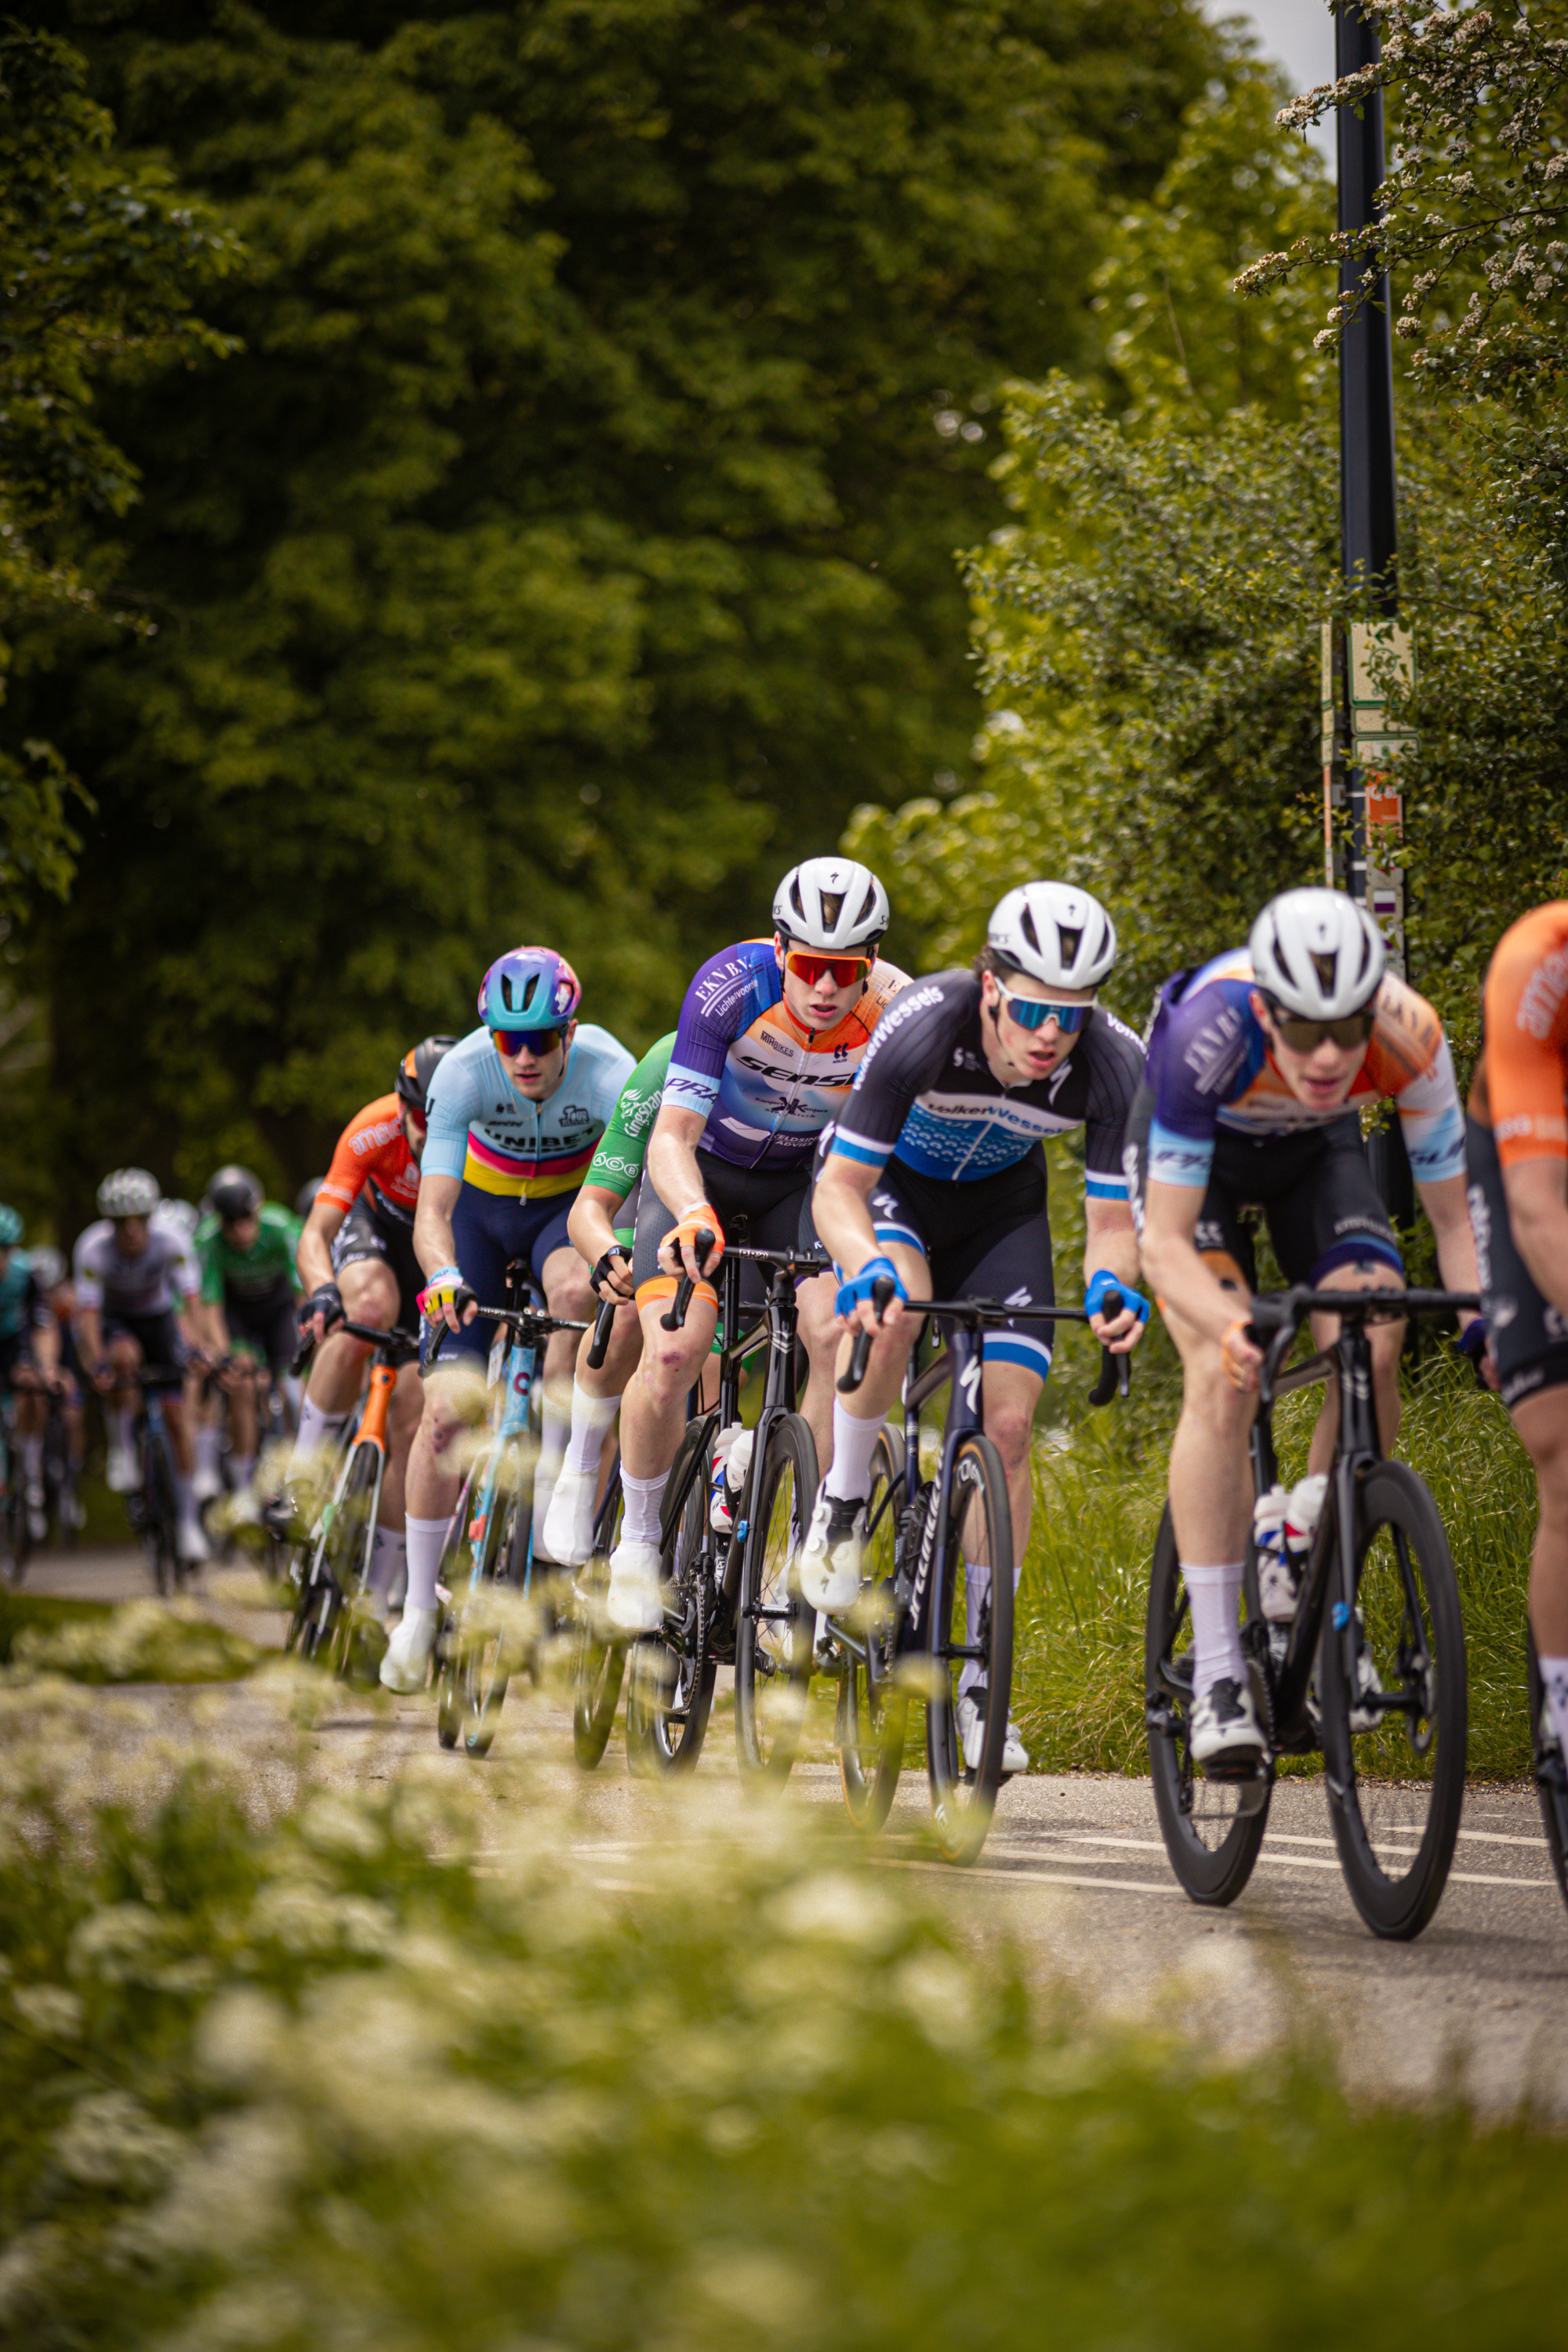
1213, 1829
669, 1689
599, 1664
963, 1796
1550, 1773
1394, 1745
873, 1709
486, 1647
774, 1626
356, 1640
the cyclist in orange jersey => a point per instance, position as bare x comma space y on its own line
1516, 1149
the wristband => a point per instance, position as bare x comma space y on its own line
1102, 1284
856, 1293
444, 1278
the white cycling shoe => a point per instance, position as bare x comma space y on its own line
406, 1662
206, 1482
1225, 1726
970, 1718
122, 1473
191, 1544
635, 1601
828, 1563
568, 1530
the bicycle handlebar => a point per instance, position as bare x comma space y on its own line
599, 1345
1115, 1371
397, 1342
701, 1242
1280, 1310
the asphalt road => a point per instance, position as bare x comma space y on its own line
1076, 1876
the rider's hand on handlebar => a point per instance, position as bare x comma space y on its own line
318, 1313
1116, 1313
447, 1297
1243, 1362
612, 1275
855, 1305
678, 1251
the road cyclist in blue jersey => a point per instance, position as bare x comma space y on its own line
771, 1034
935, 1171
29, 1365
1258, 1064
515, 1112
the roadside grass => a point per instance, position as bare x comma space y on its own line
137, 1642
285, 2065
1100, 1488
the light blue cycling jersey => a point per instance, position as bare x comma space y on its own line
20, 1307
483, 1131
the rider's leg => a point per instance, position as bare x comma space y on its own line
242, 1418
454, 1399
819, 1331
1210, 1505
858, 1419
568, 1294
124, 1353
1386, 1341
369, 1294
1542, 1421
1010, 1392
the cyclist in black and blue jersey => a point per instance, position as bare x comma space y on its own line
29, 1355
934, 1173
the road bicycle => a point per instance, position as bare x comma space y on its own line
917, 1625
489, 1550
334, 1616
150, 1504
1370, 1670
1550, 1773
61, 1480
728, 1595
15, 1535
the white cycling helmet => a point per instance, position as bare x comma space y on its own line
128, 1193
1055, 932
833, 904
180, 1217
1316, 954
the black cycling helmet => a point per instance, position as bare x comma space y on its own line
305, 1199
234, 1192
419, 1065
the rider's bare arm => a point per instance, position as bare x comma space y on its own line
90, 1338
313, 1257
1110, 1241
434, 1246
1538, 1212
1182, 1284
673, 1170
1447, 1213
841, 1211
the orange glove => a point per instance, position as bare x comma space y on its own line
699, 1218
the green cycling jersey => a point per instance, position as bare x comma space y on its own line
255, 1272
616, 1165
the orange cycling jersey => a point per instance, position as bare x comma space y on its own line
372, 1150
1520, 1088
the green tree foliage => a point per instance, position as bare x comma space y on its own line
568, 546
98, 266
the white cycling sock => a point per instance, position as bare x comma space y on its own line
643, 1498
591, 1419
425, 1539
242, 1464
555, 1426
977, 1585
854, 1443
1212, 1596
1555, 1676
32, 1456
388, 1558
184, 1498
316, 1428
118, 1424
208, 1451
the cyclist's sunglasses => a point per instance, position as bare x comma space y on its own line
539, 1042
844, 971
1034, 1011
1306, 1036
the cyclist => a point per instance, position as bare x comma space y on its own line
516, 1112
935, 1172
601, 1226
52, 1276
356, 1260
135, 1285
245, 1246
30, 1362
1258, 1064
769, 1037
1517, 1151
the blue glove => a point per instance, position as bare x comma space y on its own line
1103, 1286
1473, 1337
853, 1294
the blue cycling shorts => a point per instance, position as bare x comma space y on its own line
489, 1229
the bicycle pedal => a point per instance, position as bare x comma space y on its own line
1238, 1772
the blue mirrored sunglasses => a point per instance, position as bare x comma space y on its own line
1034, 1011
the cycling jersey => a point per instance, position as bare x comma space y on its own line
373, 1156
498, 1140
766, 1085
266, 1266
926, 1093
1520, 1087
1209, 1068
158, 1282
21, 1307
618, 1163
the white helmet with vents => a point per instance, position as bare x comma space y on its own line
128, 1193
1055, 932
1316, 954
833, 904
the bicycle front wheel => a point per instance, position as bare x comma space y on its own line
1396, 1720
158, 1503
873, 1708
774, 1625
1213, 1829
599, 1662
357, 1641
669, 1692
971, 1652
486, 1647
